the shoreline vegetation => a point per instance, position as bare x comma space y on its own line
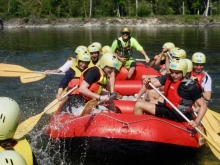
160, 21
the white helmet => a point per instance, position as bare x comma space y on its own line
107, 49
98, 45
108, 59
189, 65
178, 53
93, 48
9, 157
83, 56
179, 65
81, 49
199, 57
9, 117
168, 45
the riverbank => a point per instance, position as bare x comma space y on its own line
166, 21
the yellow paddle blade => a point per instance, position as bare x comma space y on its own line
32, 77
215, 114
214, 123
10, 70
89, 106
26, 126
211, 134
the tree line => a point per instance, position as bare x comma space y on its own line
106, 8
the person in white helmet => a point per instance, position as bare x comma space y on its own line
71, 79
94, 82
70, 61
199, 61
161, 58
176, 53
182, 95
11, 158
9, 120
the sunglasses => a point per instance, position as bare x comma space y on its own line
125, 33
197, 64
176, 72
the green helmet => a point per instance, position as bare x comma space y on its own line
80, 49
178, 53
199, 57
83, 56
9, 157
125, 29
189, 65
98, 45
168, 45
108, 59
93, 48
179, 65
107, 49
9, 118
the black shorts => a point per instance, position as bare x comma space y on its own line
165, 112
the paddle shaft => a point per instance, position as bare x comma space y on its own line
170, 58
197, 129
112, 96
62, 98
140, 60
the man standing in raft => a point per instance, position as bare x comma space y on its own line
122, 47
178, 90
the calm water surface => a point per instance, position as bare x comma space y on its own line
40, 49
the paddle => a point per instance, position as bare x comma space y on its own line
27, 125
170, 58
215, 146
35, 76
11, 70
92, 103
215, 114
53, 106
214, 123
140, 60
210, 133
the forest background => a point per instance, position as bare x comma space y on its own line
38, 12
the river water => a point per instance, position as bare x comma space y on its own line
39, 49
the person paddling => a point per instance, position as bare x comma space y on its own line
182, 93
71, 79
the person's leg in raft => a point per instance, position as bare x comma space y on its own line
144, 107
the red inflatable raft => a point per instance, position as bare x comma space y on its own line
141, 69
124, 130
132, 86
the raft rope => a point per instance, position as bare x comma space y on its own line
128, 123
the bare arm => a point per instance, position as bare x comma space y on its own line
203, 107
84, 89
145, 55
207, 95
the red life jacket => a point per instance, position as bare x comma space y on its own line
199, 76
170, 91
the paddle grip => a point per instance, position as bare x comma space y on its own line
112, 96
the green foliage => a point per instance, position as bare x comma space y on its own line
144, 9
100, 8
